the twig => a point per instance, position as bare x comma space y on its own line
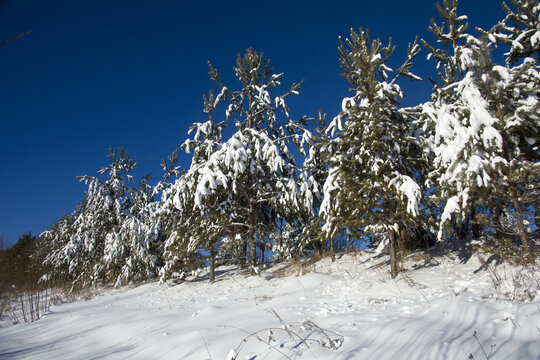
297, 279
167, 298
255, 334
479, 343
308, 324
206, 345
286, 327
412, 284
15, 38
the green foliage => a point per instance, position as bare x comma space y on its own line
21, 265
519, 30
376, 156
481, 124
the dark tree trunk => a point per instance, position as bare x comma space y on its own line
212, 264
252, 240
332, 251
261, 247
517, 206
392, 246
521, 230
474, 224
281, 238
243, 254
496, 218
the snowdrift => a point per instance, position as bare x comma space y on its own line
349, 309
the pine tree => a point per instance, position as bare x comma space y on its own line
54, 240
512, 92
241, 187
269, 186
313, 175
140, 232
179, 220
457, 174
371, 185
113, 232
254, 166
194, 227
520, 30
482, 120
512, 99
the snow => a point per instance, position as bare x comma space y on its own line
407, 187
535, 38
451, 207
347, 104
220, 96
343, 310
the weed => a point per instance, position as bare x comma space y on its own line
518, 282
475, 335
298, 334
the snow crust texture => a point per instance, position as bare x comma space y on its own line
350, 309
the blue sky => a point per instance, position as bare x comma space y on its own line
131, 73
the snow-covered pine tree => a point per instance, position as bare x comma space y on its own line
109, 243
255, 164
480, 121
520, 30
140, 232
53, 241
371, 185
446, 137
512, 99
313, 176
513, 94
179, 221
193, 226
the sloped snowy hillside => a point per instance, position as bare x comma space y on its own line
349, 309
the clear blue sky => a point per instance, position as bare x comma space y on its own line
131, 73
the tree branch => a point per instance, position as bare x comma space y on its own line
15, 38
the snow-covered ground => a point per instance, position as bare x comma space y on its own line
349, 309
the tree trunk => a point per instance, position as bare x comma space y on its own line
392, 246
332, 251
517, 207
474, 224
243, 254
212, 264
252, 240
496, 218
262, 251
281, 258
253, 253
521, 230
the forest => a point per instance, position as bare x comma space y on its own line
457, 173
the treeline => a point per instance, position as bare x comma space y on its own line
461, 166
21, 266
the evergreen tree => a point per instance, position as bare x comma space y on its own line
313, 176
239, 188
24, 263
192, 229
483, 122
139, 233
371, 185
114, 231
520, 30
53, 241
455, 148
268, 187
